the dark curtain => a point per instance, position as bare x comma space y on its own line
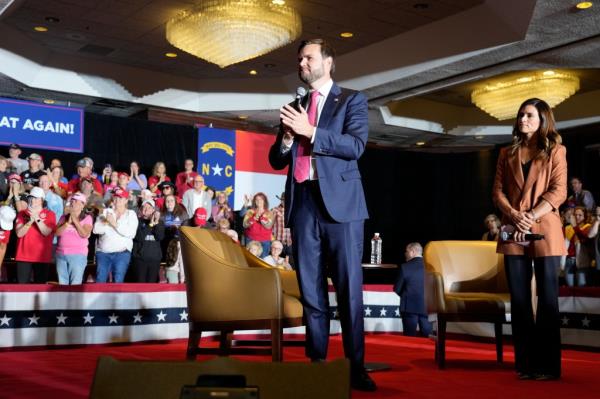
418, 197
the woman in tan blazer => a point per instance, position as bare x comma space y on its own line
530, 185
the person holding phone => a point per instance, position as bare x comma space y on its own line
147, 253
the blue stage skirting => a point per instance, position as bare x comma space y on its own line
45, 315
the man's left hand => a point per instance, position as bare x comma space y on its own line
297, 121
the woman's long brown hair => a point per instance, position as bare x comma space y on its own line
548, 135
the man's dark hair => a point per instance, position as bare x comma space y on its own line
326, 50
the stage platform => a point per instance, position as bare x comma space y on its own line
47, 315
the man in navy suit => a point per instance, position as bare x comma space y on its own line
320, 141
410, 286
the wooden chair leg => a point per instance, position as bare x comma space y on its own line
498, 332
441, 343
193, 342
436, 339
276, 336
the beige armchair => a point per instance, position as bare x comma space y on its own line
230, 289
465, 282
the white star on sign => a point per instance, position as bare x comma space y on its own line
183, 315
161, 316
336, 314
61, 319
33, 320
216, 170
113, 319
88, 318
397, 312
368, 311
137, 318
585, 322
383, 312
565, 321
4, 320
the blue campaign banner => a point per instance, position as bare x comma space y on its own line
216, 158
42, 126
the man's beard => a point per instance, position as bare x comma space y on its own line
310, 77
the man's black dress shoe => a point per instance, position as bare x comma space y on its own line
525, 376
361, 381
546, 377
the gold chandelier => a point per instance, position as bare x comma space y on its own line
501, 98
226, 32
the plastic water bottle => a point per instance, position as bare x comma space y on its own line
376, 242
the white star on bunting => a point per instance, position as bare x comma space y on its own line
137, 318
87, 319
368, 311
113, 319
397, 312
217, 170
33, 320
161, 316
183, 315
61, 319
4, 320
383, 312
565, 321
585, 322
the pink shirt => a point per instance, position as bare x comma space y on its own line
70, 242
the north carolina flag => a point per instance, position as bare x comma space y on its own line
238, 162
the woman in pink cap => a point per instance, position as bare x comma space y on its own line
16, 197
74, 229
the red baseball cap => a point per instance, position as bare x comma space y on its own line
120, 193
200, 217
123, 174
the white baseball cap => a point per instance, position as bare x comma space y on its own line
37, 193
7, 217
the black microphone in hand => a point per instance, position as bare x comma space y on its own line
506, 236
300, 93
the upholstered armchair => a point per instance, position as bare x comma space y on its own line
230, 289
465, 282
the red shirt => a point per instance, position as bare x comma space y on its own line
256, 230
4, 236
73, 186
182, 184
34, 246
153, 181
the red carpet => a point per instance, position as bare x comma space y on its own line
471, 370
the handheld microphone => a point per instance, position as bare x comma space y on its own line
300, 93
506, 236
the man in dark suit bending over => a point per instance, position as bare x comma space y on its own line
325, 207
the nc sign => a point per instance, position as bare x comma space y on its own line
42, 126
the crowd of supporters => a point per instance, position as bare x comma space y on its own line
117, 225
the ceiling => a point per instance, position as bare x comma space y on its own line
416, 60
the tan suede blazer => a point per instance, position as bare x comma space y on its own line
547, 180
